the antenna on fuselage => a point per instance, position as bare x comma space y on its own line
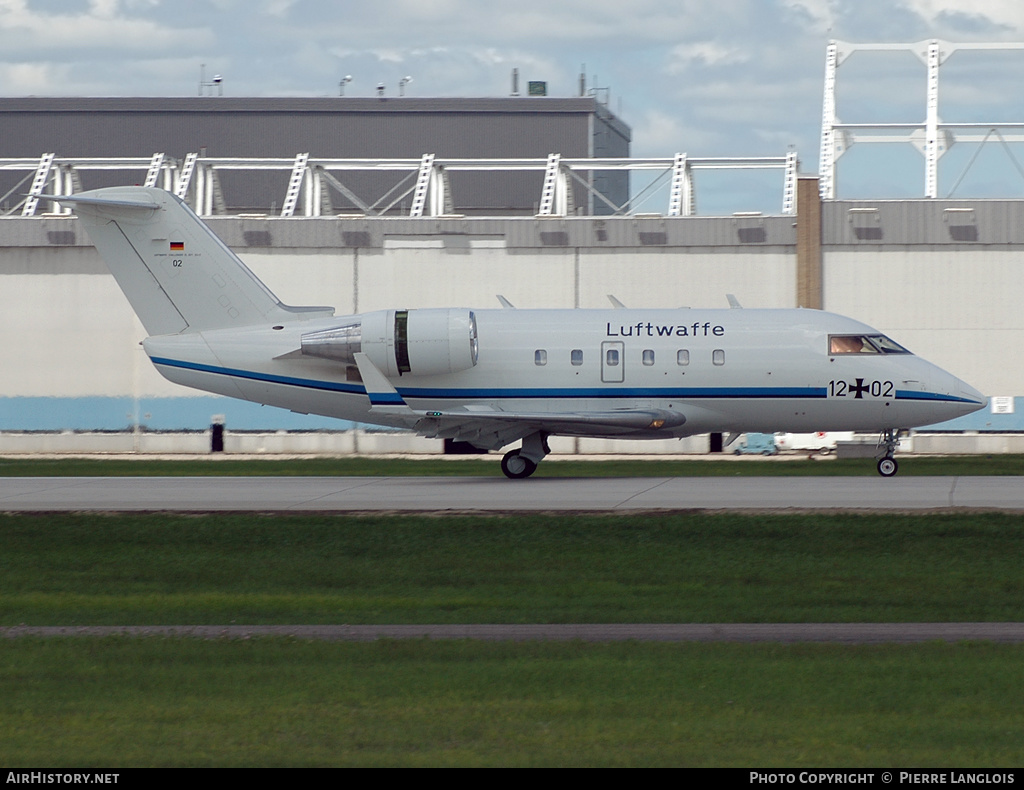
616, 303
734, 303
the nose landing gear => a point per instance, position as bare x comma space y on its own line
887, 466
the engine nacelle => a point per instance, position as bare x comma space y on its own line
423, 342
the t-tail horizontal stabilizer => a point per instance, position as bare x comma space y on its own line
178, 276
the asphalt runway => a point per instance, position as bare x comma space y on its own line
492, 494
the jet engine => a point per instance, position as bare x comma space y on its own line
423, 342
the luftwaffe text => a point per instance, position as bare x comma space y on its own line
650, 329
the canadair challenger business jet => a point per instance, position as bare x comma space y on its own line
493, 377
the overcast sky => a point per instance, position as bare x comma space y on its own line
721, 78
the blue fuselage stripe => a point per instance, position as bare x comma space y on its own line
330, 386
735, 393
385, 399
933, 396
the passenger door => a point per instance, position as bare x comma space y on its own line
613, 360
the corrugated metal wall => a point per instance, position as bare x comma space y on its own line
327, 128
970, 223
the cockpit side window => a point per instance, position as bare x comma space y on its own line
850, 344
864, 344
888, 345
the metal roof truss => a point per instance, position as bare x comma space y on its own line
424, 182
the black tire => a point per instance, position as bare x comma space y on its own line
887, 467
516, 467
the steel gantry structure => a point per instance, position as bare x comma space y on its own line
421, 186
932, 136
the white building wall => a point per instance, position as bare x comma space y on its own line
68, 333
961, 309
68, 330
699, 279
306, 277
424, 277
73, 334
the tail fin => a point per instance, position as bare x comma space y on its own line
178, 276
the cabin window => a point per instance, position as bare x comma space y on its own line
864, 344
576, 357
718, 356
683, 356
540, 357
648, 357
611, 357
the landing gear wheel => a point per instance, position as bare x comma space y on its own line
887, 467
516, 467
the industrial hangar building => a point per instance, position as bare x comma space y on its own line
86, 133
366, 204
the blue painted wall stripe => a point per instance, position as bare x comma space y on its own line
194, 413
156, 414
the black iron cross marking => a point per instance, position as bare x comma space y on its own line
859, 389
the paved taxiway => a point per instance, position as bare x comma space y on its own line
438, 494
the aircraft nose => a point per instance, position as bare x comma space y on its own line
972, 399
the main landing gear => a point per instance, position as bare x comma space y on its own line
887, 466
521, 463
516, 466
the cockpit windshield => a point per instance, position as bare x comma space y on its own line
864, 344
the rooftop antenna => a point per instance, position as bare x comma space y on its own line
597, 93
515, 82
344, 81
402, 83
217, 82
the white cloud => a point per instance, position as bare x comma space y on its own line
32, 79
278, 8
104, 26
821, 12
1004, 13
706, 53
389, 55
104, 9
660, 131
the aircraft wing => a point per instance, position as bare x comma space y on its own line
494, 428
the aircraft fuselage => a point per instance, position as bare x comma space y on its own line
720, 370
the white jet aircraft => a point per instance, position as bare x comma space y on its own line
493, 377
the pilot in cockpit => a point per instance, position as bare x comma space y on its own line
846, 344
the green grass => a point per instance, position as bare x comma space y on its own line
379, 467
276, 702
89, 569
120, 702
